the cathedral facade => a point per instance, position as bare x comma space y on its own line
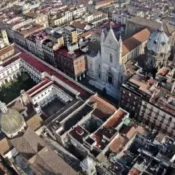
105, 68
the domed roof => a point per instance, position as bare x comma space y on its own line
159, 42
11, 121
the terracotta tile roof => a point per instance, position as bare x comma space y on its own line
103, 109
117, 144
32, 30
64, 52
48, 162
28, 144
78, 24
131, 132
86, 34
35, 122
134, 171
5, 146
10, 60
134, 41
116, 119
149, 23
31, 14
6, 50
163, 71
39, 166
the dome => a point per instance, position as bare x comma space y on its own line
11, 121
159, 42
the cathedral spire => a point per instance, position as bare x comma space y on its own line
102, 35
161, 27
110, 25
120, 49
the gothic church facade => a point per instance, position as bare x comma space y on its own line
105, 68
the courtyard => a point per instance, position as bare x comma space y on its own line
53, 107
11, 90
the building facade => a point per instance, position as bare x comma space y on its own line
149, 93
71, 63
106, 68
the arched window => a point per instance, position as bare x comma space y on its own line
110, 78
111, 58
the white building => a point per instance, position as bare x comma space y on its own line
106, 68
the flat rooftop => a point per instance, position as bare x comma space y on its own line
158, 91
41, 35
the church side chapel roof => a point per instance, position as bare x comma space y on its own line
135, 40
46, 161
28, 144
42, 159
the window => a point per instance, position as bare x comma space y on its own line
99, 75
110, 57
155, 41
110, 78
